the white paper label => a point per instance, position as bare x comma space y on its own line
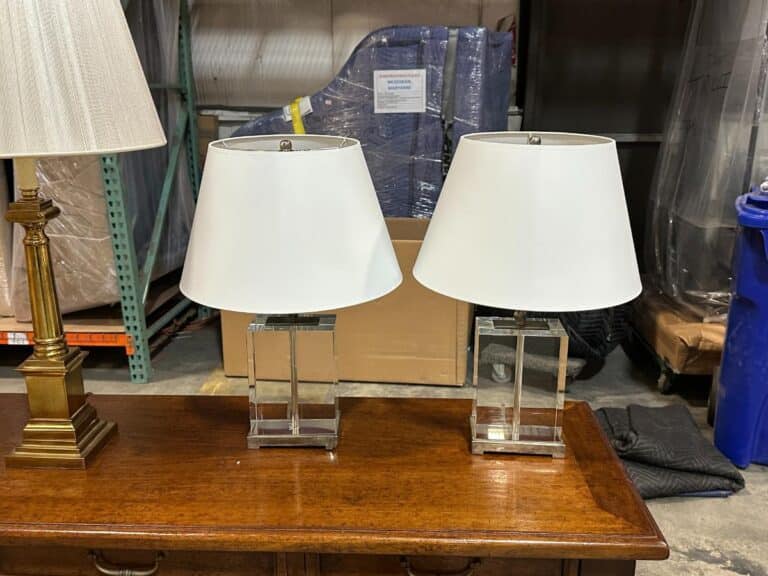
399, 91
18, 338
305, 107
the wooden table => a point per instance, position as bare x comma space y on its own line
401, 493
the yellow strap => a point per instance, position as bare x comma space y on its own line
298, 123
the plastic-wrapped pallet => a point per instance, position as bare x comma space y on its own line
483, 61
405, 150
81, 245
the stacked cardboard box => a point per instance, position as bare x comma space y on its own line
412, 335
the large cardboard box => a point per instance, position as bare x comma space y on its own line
411, 335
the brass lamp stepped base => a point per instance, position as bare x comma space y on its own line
63, 430
51, 442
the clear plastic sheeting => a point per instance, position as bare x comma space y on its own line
355, 19
155, 30
715, 148
405, 151
80, 242
81, 246
262, 53
482, 89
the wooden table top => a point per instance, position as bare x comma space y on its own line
402, 481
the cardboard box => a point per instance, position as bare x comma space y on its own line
412, 335
687, 345
207, 132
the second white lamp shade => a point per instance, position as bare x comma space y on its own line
532, 227
288, 232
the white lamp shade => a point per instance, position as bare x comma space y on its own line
71, 82
532, 227
288, 232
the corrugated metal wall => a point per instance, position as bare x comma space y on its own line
264, 53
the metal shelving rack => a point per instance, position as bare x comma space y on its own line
133, 334
134, 283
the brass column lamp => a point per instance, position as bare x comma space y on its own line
63, 429
71, 84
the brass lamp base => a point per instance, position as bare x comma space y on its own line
54, 442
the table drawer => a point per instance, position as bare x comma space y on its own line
62, 561
358, 565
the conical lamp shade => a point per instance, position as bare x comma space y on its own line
288, 232
71, 82
532, 227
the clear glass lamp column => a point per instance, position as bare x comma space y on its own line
297, 405
519, 374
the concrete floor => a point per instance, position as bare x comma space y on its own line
706, 536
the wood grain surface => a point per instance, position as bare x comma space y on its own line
402, 481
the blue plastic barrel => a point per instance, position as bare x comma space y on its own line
741, 421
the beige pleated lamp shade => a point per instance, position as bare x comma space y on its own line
288, 232
71, 82
532, 227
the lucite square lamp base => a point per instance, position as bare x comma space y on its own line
295, 406
519, 374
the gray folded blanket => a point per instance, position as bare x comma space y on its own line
665, 454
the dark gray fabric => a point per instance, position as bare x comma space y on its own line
665, 454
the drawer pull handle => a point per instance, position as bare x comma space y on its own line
468, 571
107, 569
